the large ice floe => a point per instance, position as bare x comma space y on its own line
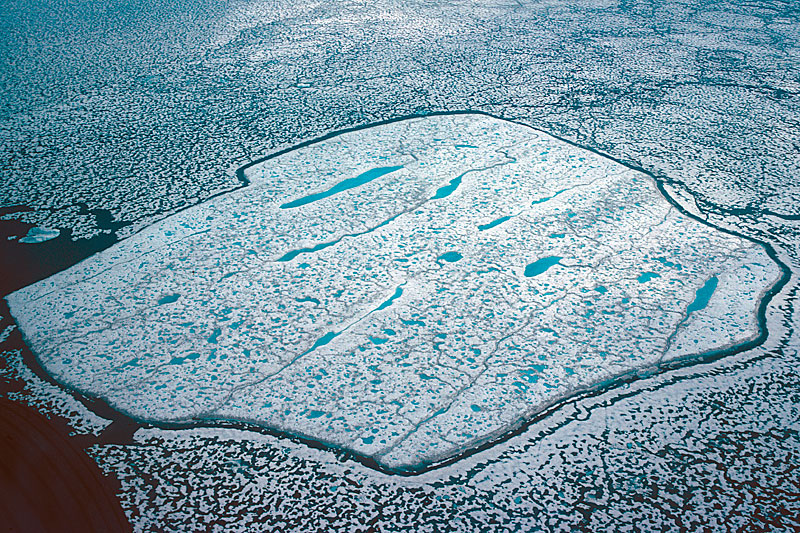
406, 292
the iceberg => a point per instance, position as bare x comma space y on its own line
405, 292
38, 234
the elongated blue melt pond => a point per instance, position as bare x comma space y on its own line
322, 341
537, 267
493, 223
543, 200
342, 186
397, 294
450, 257
703, 295
448, 189
294, 253
647, 276
170, 298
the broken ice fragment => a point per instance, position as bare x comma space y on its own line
328, 300
38, 234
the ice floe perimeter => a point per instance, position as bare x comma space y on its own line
405, 291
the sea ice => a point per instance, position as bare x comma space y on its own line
37, 235
405, 291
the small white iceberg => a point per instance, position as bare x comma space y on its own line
39, 234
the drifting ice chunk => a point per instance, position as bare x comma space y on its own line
405, 291
37, 234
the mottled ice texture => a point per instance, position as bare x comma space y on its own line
405, 291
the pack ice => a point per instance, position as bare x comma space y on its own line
405, 292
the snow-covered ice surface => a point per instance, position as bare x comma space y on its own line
405, 291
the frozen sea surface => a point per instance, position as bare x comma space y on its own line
406, 292
116, 115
